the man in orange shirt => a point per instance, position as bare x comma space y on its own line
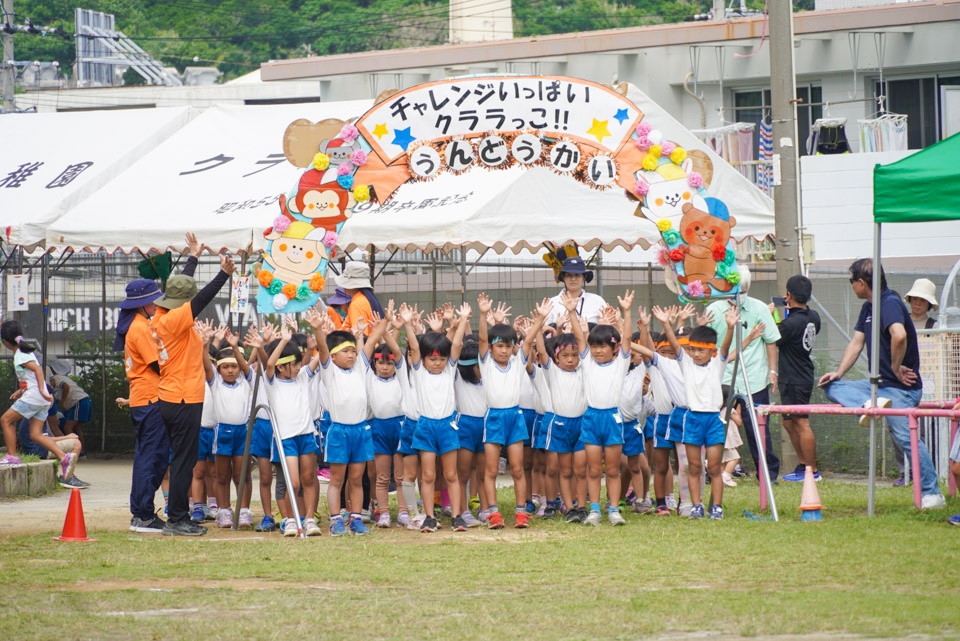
182, 383
337, 307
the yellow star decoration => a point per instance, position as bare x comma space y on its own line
599, 130
380, 130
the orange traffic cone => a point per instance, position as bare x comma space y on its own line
810, 498
74, 528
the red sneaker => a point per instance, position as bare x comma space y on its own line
521, 520
495, 522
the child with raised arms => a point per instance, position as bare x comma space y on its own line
471, 408
504, 426
544, 461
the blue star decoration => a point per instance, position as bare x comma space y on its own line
621, 115
402, 138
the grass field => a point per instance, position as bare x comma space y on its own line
892, 575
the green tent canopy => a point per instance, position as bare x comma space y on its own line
920, 188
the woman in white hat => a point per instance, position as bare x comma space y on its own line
922, 298
355, 281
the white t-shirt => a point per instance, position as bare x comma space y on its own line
666, 383
290, 402
527, 400
385, 395
347, 391
231, 403
31, 395
588, 307
603, 382
542, 398
409, 402
434, 392
469, 397
646, 409
703, 383
502, 386
566, 390
631, 394
208, 416
75, 394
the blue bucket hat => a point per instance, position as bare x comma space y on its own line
339, 297
139, 293
575, 265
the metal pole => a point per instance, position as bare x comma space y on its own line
463, 275
246, 446
433, 279
43, 300
8, 73
103, 352
874, 368
599, 273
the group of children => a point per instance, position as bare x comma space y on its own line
567, 405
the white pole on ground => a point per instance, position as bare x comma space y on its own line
874, 368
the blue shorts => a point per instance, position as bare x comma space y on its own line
675, 426
406, 437
649, 427
505, 426
386, 434
261, 444
228, 440
563, 435
205, 452
28, 410
601, 427
81, 411
470, 432
660, 432
703, 428
530, 418
543, 426
346, 443
324, 424
632, 438
294, 446
317, 434
437, 435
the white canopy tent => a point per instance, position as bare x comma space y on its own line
219, 177
53, 162
518, 209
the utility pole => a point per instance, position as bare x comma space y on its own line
8, 73
783, 93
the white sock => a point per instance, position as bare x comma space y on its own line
410, 498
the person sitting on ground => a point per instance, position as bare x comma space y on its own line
75, 404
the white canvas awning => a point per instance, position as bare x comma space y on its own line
219, 177
52, 162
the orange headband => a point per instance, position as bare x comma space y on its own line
683, 340
702, 345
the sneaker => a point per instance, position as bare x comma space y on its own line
593, 518
459, 525
225, 518
197, 514
728, 479
210, 512
615, 517
716, 512
685, 509
537, 501
365, 516
470, 520
672, 503
9, 459
573, 516
446, 512
530, 508
246, 517
881, 402
541, 510
583, 513
696, 511
900, 481
290, 527
67, 465
149, 526
495, 521
357, 526
184, 528
816, 476
403, 519
740, 473
324, 474
932, 502
73, 481
662, 510
549, 513
484, 515
311, 528
336, 527
429, 525
795, 476
954, 520
383, 520
644, 506
521, 520
267, 524
416, 522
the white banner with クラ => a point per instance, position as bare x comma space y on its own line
469, 107
18, 295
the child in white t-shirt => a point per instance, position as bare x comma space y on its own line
471, 409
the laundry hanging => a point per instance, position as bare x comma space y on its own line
733, 143
885, 133
765, 156
828, 136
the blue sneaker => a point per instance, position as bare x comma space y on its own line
357, 526
716, 512
198, 514
267, 524
530, 507
795, 476
954, 520
816, 476
696, 512
336, 527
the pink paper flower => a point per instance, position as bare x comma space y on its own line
694, 179
643, 143
358, 158
281, 223
666, 148
695, 289
644, 129
641, 187
330, 239
345, 169
348, 133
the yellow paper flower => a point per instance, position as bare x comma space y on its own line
362, 193
650, 161
655, 151
321, 161
678, 155
664, 224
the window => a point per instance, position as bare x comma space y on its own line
919, 100
754, 106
